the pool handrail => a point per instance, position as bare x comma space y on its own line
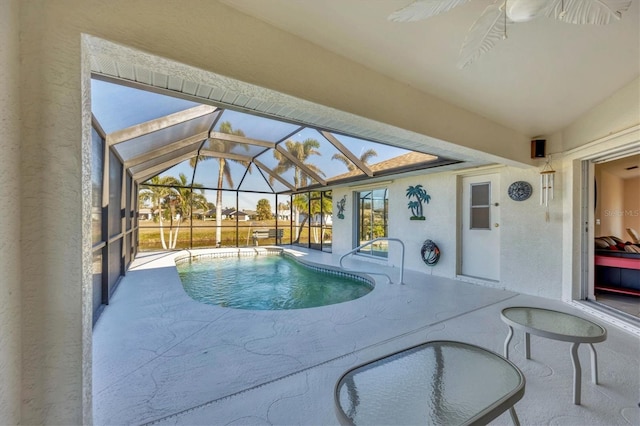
376, 273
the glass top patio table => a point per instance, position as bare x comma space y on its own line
553, 324
557, 326
440, 382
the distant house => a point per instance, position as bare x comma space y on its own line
284, 214
233, 213
145, 214
319, 219
199, 214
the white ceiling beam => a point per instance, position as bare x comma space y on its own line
241, 139
167, 149
225, 155
159, 124
143, 175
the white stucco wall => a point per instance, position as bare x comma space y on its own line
52, 265
10, 190
438, 226
52, 238
618, 112
530, 247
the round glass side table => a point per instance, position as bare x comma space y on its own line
557, 326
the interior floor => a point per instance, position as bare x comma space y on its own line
160, 357
625, 303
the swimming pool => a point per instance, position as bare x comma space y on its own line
266, 282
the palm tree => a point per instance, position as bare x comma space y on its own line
365, 157
312, 204
301, 151
183, 206
160, 192
224, 172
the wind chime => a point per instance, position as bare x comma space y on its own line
546, 186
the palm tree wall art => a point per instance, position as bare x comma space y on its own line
420, 195
341, 206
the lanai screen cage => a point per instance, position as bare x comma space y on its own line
203, 175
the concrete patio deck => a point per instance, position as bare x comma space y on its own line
160, 357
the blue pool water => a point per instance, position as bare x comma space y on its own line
266, 283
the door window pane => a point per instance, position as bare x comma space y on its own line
480, 203
480, 194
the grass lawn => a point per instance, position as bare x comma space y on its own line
203, 234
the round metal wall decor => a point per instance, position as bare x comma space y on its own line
520, 191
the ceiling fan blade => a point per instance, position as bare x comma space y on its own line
594, 12
485, 32
422, 9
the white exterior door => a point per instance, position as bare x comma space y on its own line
481, 227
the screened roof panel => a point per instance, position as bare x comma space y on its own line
255, 127
155, 133
270, 163
371, 152
137, 146
274, 181
231, 147
278, 187
148, 173
324, 158
162, 159
254, 181
207, 172
117, 107
284, 167
237, 171
177, 170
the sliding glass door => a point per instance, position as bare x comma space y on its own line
372, 218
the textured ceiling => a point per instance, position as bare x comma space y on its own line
537, 81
